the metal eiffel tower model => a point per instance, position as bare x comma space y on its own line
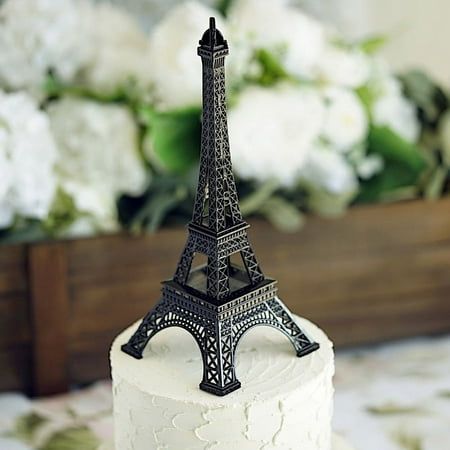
219, 301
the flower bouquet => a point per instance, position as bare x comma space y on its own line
100, 121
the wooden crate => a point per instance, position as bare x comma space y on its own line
379, 273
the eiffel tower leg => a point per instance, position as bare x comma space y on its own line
286, 323
219, 376
150, 325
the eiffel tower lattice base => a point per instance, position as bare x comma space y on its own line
218, 329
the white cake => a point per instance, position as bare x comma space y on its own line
285, 402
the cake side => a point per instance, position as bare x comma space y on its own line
285, 402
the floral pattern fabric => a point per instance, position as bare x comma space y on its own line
390, 397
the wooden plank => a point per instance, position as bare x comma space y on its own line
15, 368
380, 272
14, 321
50, 317
12, 270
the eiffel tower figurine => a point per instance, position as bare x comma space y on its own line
219, 301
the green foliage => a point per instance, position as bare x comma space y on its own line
168, 197
368, 95
433, 111
172, 138
389, 409
224, 6
328, 204
125, 94
63, 213
72, 439
429, 98
407, 441
372, 44
282, 214
272, 70
26, 426
253, 202
404, 164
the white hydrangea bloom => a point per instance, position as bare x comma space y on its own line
273, 130
121, 51
176, 72
399, 114
329, 170
39, 35
27, 158
394, 110
343, 67
278, 26
346, 122
99, 156
368, 166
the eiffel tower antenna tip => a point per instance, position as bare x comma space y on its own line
212, 23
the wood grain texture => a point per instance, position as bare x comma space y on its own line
379, 273
15, 334
49, 303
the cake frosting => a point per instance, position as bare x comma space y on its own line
284, 403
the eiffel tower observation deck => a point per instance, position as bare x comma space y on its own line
219, 301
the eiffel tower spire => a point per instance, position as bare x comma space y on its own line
216, 204
217, 302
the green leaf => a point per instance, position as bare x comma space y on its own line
158, 206
426, 94
54, 88
327, 204
272, 68
173, 138
256, 199
407, 441
224, 6
167, 195
62, 214
368, 95
392, 409
282, 214
435, 185
403, 164
444, 137
372, 44
26, 426
72, 439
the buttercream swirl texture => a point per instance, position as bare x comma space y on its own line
285, 402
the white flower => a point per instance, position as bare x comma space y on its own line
343, 67
272, 132
39, 35
278, 26
99, 156
346, 122
27, 158
176, 72
369, 166
398, 113
121, 51
391, 108
328, 170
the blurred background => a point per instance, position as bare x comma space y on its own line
340, 137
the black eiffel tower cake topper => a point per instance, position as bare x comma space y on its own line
219, 301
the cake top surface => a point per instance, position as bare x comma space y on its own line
266, 365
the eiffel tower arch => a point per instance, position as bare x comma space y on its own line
219, 301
